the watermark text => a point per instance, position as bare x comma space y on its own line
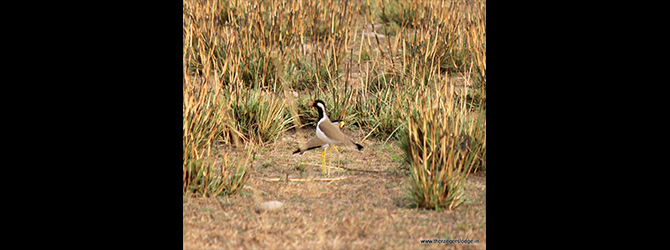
458, 241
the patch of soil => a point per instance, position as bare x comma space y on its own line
349, 209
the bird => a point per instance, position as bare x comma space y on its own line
328, 134
315, 142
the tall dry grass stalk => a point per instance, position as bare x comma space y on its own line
250, 69
443, 143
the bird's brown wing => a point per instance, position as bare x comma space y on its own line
334, 132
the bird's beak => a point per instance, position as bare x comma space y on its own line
311, 105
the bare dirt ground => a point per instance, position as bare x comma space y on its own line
355, 210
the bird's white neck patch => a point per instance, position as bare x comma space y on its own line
323, 108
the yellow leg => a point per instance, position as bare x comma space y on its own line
338, 152
330, 159
338, 155
323, 161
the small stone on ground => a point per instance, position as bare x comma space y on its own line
269, 206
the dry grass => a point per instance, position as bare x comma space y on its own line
443, 142
250, 68
363, 211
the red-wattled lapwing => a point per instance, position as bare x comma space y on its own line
315, 143
327, 133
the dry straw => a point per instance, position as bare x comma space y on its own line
250, 69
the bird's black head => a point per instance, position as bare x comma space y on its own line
320, 106
314, 104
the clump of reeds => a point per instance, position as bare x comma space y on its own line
261, 114
443, 143
213, 176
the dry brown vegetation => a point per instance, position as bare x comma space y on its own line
408, 79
